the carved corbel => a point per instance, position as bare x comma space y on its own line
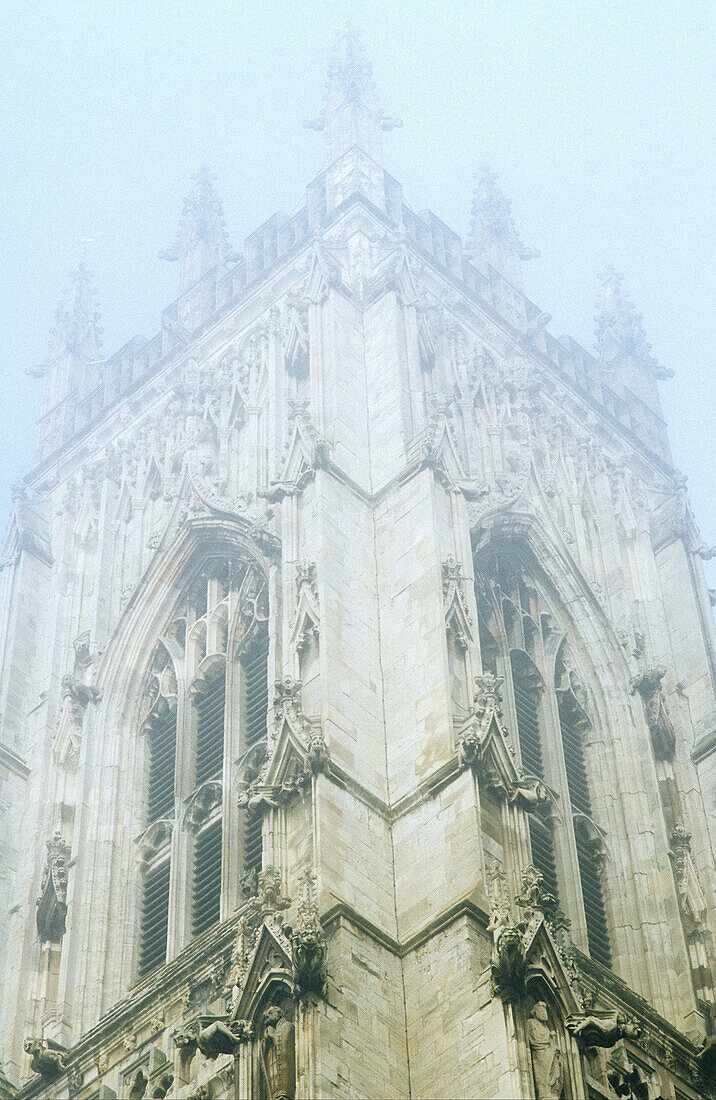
532, 795
48, 1058
663, 735
76, 695
202, 804
153, 839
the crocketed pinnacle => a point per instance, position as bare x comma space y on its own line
491, 226
77, 329
202, 240
351, 115
618, 327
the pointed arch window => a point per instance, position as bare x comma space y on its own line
190, 732
517, 629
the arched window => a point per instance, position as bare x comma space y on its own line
188, 733
519, 634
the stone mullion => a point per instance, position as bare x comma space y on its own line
252, 448
565, 842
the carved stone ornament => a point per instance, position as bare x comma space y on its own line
308, 943
663, 736
216, 1036
297, 752
458, 621
48, 1058
278, 1054
76, 695
487, 706
532, 795
533, 898
8, 1091
691, 896
547, 1067
202, 803
307, 625
52, 902
602, 1029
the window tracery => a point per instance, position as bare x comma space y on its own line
520, 640
208, 674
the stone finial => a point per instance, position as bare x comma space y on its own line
618, 327
308, 943
351, 115
493, 238
202, 240
533, 899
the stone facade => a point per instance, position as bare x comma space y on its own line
464, 847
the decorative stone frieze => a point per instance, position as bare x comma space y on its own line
663, 735
52, 902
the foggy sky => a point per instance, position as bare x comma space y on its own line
597, 117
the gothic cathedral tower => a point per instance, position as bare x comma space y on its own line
357, 683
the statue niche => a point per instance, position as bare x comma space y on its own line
277, 1050
547, 1063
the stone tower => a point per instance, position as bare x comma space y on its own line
357, 697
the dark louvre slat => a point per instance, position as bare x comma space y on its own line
162, 761
207, 879
597, 934
155, 914
255, 679
528, 729
255, 706
543, 855
210, 734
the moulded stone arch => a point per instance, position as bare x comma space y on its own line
111, 807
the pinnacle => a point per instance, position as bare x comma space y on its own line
351, 114
77, 327
202, 240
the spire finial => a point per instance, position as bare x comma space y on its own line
351, 114
202, 241
618, 327
493, 237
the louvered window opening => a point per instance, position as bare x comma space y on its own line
574, 762
207, 879
162, 760
528, 733
255, 680
592, 893
155, 919
593, 897
210, 733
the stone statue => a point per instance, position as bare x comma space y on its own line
546, 1055
278, 1055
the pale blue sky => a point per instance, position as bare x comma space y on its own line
598, 118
